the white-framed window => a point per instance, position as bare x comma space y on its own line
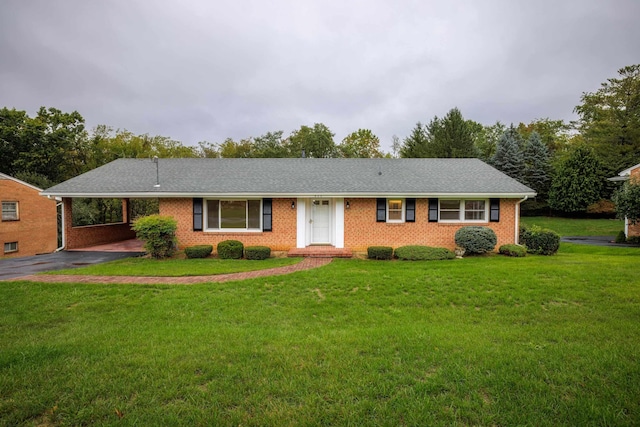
463, 210
10, 247
233, 215
395, 210
10, 211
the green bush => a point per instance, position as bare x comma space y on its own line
158, 233
379, 252
634, 239
198, 251
513, 250
422, 253
230, 249
539, 241
476, 239
257, 252
621, 237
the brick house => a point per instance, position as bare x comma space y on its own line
29, 222
297, 204
632, 174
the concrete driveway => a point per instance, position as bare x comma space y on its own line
10, 268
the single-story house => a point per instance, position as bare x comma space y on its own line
632, 173
301, 203
28, 225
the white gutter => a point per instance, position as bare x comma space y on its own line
517, 231
154, 195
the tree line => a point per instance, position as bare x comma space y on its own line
566, 163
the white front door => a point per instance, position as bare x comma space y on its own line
320, 221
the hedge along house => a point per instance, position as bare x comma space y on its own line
298, 205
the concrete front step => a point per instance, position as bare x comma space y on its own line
320, 252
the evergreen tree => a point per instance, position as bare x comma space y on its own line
508, 157
537, 166
578, 182
415, 145
451, 137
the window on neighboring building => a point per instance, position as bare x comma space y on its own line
9, 211
395, 211
463, 210
10, 247
234, 215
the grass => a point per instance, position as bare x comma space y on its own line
577, 227
176, 267
491, 340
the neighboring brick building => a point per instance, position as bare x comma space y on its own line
631, 174
29, 221
300, 203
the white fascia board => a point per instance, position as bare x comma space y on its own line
627, 172
173, 195
9, 177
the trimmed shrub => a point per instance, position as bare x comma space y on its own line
198, 251
422, 253
158, 233
539, 241
257, 252
634, 239
621, 237
513, 250
379, 252
230, 249
476, 239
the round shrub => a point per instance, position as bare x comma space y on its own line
158, 233
476, 239
257, 252
539, 241
422, 253
230, 249
379, 252
198, 251
513, 250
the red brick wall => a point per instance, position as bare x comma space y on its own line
634, 230
36, 230
361, 229
91, 235
282, 238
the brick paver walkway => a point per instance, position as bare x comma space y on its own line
305, 264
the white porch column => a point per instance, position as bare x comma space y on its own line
301, 223
339, 223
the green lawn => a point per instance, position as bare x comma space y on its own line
577, 227
176, 267
538, 341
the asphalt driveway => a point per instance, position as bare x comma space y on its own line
10, 268
596, 241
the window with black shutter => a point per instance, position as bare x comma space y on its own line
197, 214
410, 214
266, 214
494, 213
433, 210
381, 210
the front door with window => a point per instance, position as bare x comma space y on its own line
320, 221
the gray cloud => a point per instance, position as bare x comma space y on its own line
200, 70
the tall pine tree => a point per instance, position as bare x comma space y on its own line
451, 137
508, 157
537, 166
415, 145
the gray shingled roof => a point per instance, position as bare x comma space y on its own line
292, 177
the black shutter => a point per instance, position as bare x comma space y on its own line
197, 214
266, 214
494, 214
433, 210
410, 214
381, 210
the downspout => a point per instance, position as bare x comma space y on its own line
517, 230
62, 240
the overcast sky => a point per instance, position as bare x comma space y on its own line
207, 70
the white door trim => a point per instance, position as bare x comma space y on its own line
321, 213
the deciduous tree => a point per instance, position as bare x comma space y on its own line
361, 143
577, 182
